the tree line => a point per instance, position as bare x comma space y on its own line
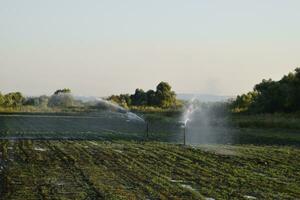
163, 97
271, 96
60, 98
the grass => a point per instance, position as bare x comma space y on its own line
146, 170
277, 120
26, 109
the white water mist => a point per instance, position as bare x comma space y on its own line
204, 123
114, 107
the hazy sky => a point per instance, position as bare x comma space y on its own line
101, 47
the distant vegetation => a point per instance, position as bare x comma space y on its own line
11, 99
162, 98
271, 96
16, 102
62, 100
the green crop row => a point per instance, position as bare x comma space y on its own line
146, 170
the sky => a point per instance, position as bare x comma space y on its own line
103, 47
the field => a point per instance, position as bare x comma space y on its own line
109, 156
146, 170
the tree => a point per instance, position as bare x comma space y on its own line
139, 98
244, 102
165, 96
152, 98
13, 99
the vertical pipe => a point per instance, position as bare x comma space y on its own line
184, 137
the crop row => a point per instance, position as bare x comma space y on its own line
141, 170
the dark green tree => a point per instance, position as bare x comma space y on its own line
152, 98
139, 98
165, 96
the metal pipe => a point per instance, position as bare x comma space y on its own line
184, 137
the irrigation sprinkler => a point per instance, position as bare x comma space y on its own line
184, 137
184, 126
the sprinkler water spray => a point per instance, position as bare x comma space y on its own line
114, 107
187, 116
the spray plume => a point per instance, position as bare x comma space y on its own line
114, 107
204, 124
